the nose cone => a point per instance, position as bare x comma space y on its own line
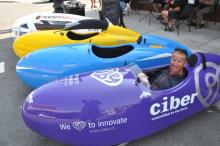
45, 65
30, 42
43, 117
34, 71
36, 40
52, 114
21, 46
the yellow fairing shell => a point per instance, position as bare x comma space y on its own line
114, 35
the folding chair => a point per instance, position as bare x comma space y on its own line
186, 14
147, 5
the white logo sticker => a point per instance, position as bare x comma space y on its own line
110, 77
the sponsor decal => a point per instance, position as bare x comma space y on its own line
71, 80
120, 41
30, 97
93, 127
69, 65
109, 77
209, 79
172, 105
94, 30
59, 18
145, 94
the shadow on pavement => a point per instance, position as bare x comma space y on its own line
43, 2
9, 2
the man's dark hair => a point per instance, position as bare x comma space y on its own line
182, 51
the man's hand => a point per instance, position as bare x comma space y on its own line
144, 79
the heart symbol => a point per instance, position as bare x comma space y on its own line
79, 125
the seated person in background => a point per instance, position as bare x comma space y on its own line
172, 11
57, 5
93, 3
158, 6
205, 6
169, 77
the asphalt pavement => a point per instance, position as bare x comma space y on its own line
202, 129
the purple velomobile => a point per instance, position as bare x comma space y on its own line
111, 106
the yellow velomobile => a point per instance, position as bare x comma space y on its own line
97, 32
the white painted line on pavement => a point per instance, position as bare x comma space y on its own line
2, 67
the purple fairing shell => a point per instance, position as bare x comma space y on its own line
110, 107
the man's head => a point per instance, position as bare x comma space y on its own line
178, 60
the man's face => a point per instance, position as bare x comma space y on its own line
178, 60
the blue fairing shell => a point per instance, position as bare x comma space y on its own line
46, 65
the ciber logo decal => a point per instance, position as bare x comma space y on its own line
171, 105
211, 81
110, 77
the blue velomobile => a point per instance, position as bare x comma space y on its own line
45, 65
